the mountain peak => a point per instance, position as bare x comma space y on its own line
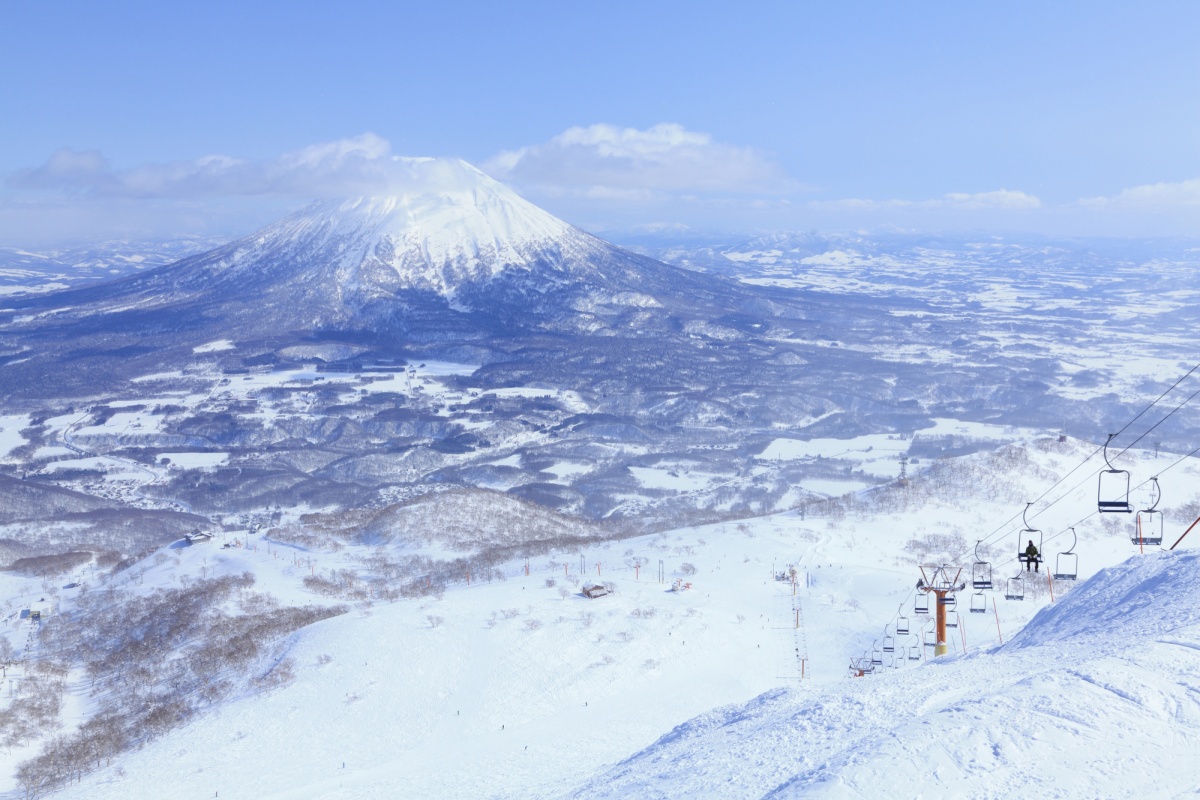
442, 223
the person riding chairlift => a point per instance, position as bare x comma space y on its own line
1031, 557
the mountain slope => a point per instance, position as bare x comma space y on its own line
457, 236
453, 258
1097, 697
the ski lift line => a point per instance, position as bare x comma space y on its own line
1100, 449
1067, 529
1170, 413
1005, 525
1155, 402
1005, 529
1149, 480
1008, 531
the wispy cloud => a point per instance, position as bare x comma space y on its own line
359, 165
1151, 195
999, 200
609, 162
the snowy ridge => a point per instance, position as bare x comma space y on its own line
1098, 697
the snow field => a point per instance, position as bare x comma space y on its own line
409, 703
441, 697
1112, 711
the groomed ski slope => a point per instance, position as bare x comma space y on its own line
511, 689
1098, 697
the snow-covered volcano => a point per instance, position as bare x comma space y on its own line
446, 238
450, 226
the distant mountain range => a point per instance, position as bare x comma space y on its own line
812, 333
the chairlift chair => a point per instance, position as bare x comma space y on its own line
979, 603
1112, 495
914, 650
951, 619
921, 604
1149, 522
1016, 589
981, 571
1066, 564
950, 602
876, 656
1029, 533
889, 643
901, 625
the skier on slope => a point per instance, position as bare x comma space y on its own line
1031, 557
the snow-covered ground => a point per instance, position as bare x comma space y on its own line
524, 688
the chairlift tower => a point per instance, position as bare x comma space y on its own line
941, 585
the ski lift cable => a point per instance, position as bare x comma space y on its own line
1092, 475
1154, 403
1005, 527
1065, 530
1160, 422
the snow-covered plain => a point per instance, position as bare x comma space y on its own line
513, 688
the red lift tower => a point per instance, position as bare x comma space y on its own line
940, 583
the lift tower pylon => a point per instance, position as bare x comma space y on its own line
940, 584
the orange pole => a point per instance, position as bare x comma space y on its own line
940, 648
1185, 533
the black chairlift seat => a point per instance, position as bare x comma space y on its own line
889, 644
1028, 534
981, 575
914, 653
979, 603
1148, 527
901, 625
981, 571
1066, 564
1016, 589
1112, 493
951, 619
921, 604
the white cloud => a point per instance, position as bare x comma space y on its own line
1151, 195
999, 200
1002, 199
605, 161
359, 165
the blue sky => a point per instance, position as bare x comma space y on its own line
1071, 118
